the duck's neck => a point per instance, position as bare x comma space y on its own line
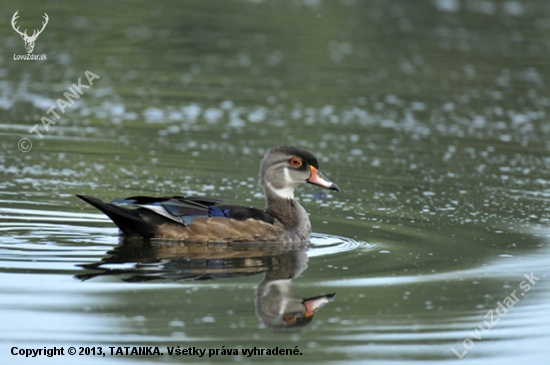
287, 210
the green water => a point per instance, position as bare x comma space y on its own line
431, 116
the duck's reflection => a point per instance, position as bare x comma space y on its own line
277, 306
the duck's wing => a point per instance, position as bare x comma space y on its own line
175, 208
185, 209
154, 212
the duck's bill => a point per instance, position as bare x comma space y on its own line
313, 304
317, 178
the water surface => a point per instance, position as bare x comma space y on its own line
432, 117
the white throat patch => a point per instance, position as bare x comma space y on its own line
288, 191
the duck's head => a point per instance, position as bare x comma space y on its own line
284, 311
284, 168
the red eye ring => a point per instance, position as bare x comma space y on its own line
290, 319
295, 161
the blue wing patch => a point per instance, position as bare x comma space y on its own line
214, 211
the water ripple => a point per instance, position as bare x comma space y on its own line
55, 241
324, 244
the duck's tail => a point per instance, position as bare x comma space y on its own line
129, 221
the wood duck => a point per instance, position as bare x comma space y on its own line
198, 219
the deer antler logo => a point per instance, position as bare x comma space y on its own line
29, 41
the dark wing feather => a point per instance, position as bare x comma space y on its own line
144, 200
241, 213
199, 206
181, 207
192, 207
129, 222
203, 200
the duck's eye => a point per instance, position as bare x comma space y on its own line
296, 162
290, 319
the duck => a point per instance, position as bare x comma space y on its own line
202, 219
